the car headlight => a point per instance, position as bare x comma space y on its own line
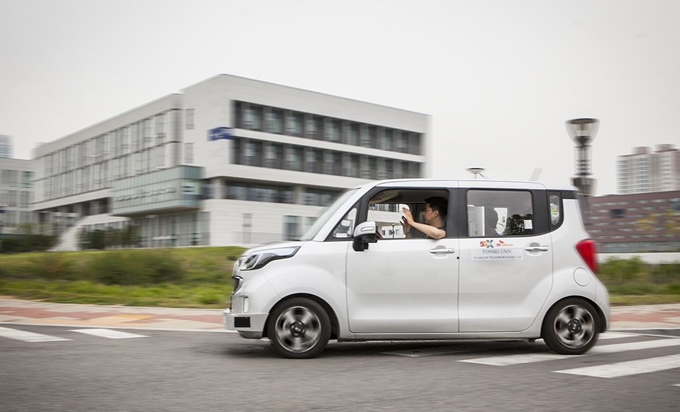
259, 259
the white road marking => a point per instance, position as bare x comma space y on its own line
597, 350
623, 347
617, 370
616, 335
417, 353
108, 333
28, 336
516, 359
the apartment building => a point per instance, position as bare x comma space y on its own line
16, 194
228, 161
5, 146
640, 222
649, 171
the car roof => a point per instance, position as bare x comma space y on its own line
472, 183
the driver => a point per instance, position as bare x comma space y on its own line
434, 216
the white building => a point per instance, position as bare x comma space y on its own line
16, 194
230, 161
646, 171
5, 146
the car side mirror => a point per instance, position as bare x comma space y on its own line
364, 234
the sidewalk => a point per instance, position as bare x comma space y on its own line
25, 312
109, 316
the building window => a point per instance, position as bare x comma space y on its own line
160, 124
27, 179
253, 118
273, 156
294, 158
259, 193
291, 227
294, 124
365, 171
312, 161
147, 132
13, 178
333, 132
189, 153
252, 152
353, 134
386, 139
23, 199
275, 121
402, 142
313, 197
189, 119
617, 213
12, 201
365, 136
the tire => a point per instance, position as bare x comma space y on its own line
299, 328
571, 327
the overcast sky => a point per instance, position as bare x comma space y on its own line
499, 78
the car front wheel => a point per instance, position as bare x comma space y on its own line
571, 327
299, 328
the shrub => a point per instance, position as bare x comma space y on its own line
27, 243
674, 289
665, 273
210, 297
126, 267
53, 266
615, 271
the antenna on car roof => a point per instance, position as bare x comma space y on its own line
476, 171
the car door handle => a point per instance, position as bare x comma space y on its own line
442, 250
536, 248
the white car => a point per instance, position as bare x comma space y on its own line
515, 262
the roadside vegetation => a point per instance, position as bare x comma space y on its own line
633, 282
187, 277
200, 277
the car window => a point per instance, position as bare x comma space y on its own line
496, 213
555, 210
345, 227
385, 208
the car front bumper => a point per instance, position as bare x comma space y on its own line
249, 325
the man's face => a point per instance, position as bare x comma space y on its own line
429, 214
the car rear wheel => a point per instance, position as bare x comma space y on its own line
299, 328
571, 327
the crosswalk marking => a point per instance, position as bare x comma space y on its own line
108, 333
623, 347
416, 353
617, 370
516, 359
28, 336
540, 357
615, 335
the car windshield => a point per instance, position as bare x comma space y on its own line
326, 214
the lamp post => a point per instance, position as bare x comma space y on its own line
582, 132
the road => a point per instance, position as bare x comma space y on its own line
63, 368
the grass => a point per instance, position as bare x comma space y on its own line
168, 295
201, 278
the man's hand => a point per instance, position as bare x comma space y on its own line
406, 221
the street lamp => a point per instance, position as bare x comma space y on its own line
582, 132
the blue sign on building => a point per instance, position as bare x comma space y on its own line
219, 133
